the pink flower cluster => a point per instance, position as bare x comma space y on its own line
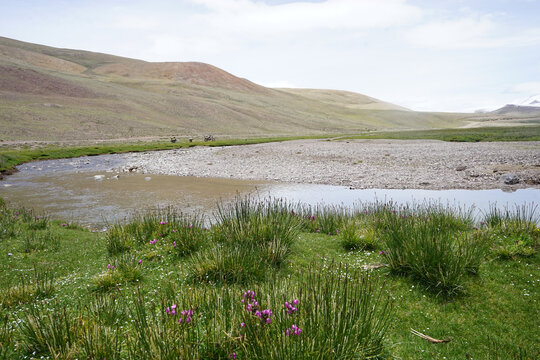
250, 301
152, 242
265, 316
293, 330
171, 310
185, 315
252, 308
290, 307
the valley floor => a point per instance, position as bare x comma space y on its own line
383, 164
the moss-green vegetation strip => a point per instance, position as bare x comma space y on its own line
11, 158
514, 133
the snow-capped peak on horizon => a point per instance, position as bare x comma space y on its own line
530, 101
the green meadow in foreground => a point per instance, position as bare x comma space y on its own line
272, 280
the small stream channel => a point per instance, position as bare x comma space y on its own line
88, 191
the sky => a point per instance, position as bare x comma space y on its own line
427, 55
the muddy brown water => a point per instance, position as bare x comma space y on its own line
98, 198
88, 191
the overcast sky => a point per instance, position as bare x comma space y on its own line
441, 55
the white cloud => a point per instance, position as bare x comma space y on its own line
470, 32
251, 17
529, 88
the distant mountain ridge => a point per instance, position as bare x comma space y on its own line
530, 106
531, 101
49, 93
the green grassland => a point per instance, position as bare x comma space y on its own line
69, 293
510, 133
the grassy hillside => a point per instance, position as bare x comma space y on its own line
345, 99
61, 94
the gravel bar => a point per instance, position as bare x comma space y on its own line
358, 164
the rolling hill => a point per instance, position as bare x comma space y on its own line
55, 94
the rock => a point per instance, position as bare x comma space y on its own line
461, 168
509, 179
99, 177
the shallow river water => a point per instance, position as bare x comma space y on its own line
88, 191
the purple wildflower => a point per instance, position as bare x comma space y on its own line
185, 316
265, 316
293, 330
163, 222
140, 261
110, 267
171, 310
174, 244
63, 224
152, 242
290, 307
242, 324
232, 355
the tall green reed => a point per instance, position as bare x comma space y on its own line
513, 231
433, 245
324, 219
184, 233
51, 332
334, 313
250, 238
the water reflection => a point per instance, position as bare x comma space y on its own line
85, 190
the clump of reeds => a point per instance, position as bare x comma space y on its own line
514, 231
432, 244
250, 238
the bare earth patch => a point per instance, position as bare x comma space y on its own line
392, 164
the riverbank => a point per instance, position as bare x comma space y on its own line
360, 163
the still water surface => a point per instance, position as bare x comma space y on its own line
88, 192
